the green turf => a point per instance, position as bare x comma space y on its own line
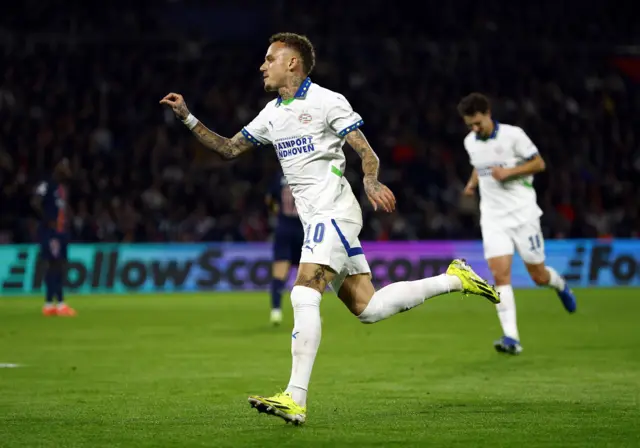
175, 371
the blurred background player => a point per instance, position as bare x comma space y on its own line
287, 241
50, 201
504, 161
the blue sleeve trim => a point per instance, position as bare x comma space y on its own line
250, 137
348, 129
351, 251
531, 157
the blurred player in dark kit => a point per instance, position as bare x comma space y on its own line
50, 202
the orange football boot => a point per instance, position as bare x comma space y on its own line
65, 310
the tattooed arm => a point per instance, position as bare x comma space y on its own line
378, 194
370, 161
228, 148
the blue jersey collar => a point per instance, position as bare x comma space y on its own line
301, 93
496, 126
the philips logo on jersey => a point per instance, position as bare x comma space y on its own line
293, 146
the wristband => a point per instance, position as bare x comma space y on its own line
190, 121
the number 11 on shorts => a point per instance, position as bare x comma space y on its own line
535, 242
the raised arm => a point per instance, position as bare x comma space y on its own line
228, 148
378, 194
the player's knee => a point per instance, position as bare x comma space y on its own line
317, 279
540, 276
280, 270
317, 284
357, 292
358, 310
370, 314
501, 276
367, 317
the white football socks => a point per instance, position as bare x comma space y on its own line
403, 296
305, 340
507, 311
555, 280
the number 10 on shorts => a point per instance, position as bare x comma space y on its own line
318, 233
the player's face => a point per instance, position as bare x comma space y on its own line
277, 64
479, 123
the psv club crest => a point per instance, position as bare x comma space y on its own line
304, 118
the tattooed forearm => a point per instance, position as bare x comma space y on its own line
227, 148
378, 194
370, 161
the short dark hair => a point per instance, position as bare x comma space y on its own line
473, 103
302, 45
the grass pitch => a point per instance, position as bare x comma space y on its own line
176, 370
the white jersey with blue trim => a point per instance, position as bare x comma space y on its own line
307, 134
510, 203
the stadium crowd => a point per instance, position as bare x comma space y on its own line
91, 94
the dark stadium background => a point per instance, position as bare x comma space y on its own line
83, 80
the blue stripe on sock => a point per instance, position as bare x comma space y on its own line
351, 251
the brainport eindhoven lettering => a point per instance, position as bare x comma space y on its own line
488, 170
293, 146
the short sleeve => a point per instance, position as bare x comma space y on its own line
340, 116
257, 132
523, 145
41, 189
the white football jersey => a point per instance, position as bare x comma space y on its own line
307, 134
509, 203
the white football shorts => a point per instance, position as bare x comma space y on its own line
334, 243
526, 238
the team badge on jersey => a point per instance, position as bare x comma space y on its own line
304, 118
